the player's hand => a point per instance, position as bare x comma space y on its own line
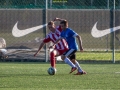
51, 47
81, 49
35, 54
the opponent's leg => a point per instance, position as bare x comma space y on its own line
53, 54
52, 59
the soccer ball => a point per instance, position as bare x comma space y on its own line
51, 71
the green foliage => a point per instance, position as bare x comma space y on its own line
34, 76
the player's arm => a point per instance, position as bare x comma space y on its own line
75, 35
40, 47
45, 40
58, 19
80, 42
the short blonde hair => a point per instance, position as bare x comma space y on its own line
51, 23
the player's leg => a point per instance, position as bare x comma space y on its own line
53, 54
67, 60
73, 59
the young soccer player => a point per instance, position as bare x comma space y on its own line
70, 36
59, 48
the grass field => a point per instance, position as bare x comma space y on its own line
97, 55
34, 76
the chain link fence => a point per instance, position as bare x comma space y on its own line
82, 16
60, 4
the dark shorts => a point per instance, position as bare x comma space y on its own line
70, 54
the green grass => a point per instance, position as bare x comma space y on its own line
97, 55
34, 76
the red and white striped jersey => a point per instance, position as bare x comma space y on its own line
62, 44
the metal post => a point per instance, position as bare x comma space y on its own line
91, 3
108, 4
46, 51
107, 35
113, 32
50, 3
46, 5
35, 2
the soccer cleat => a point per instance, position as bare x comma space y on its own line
73, 69
80, 73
